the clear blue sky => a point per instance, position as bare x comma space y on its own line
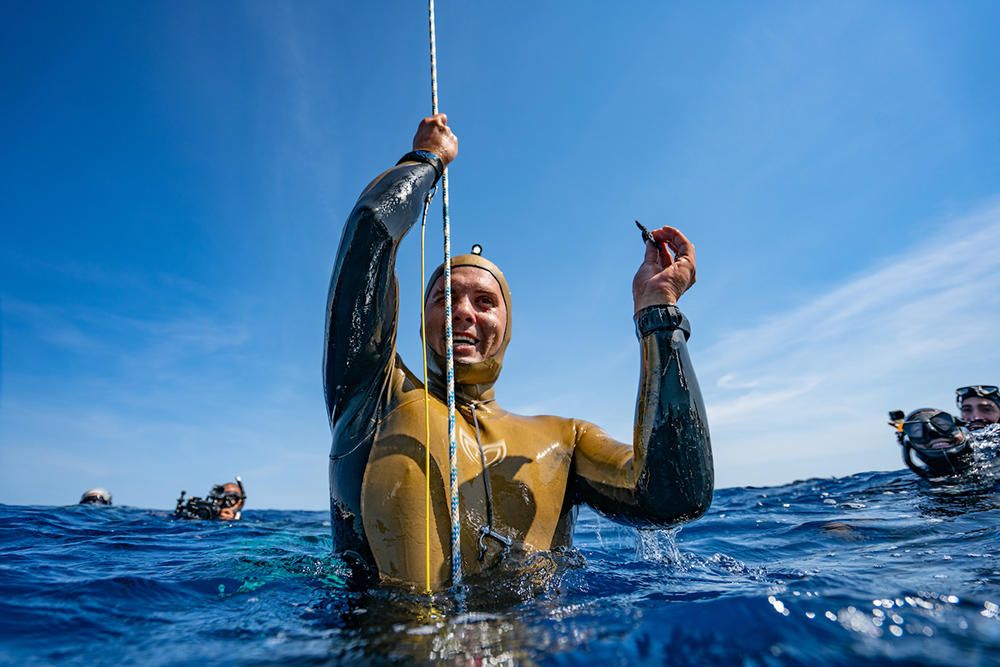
176, 176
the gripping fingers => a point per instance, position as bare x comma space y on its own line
675, 239
657, 253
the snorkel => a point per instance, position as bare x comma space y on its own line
935, 438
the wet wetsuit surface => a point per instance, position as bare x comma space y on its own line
540, 467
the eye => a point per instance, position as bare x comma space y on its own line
487, 301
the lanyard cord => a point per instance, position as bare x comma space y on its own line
487, 530
456, 542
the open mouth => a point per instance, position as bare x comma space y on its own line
940, 444
462, 339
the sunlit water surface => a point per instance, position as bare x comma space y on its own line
871, 569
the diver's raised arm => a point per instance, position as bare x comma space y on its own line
362, 302
666, 476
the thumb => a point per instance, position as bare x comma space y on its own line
652, 254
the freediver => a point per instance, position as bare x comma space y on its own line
520, 478
939, 441
979, 405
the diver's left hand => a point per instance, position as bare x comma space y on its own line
662, 278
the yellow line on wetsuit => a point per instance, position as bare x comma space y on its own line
427, 414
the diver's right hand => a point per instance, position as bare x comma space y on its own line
434, 135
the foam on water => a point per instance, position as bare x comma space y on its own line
871, 569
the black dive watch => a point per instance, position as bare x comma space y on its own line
661, 318
427, 158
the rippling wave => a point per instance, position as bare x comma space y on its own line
871, 569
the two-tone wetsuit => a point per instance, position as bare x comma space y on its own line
540, 468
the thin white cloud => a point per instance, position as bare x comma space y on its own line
803, 393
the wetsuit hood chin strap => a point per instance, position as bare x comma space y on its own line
473, 382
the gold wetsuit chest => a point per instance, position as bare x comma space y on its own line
529, 466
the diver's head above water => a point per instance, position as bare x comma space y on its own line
96, 496
478, 315
937, 440
481, 319
979, 405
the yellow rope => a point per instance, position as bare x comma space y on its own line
427, 414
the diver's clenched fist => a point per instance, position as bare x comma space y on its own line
434, 135
662, 278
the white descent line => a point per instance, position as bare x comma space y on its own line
456, 530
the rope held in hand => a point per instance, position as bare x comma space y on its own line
456, 550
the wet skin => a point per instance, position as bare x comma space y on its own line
980, 412
479, 315
541, 468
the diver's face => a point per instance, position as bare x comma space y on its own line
478, 315
229, 513
980, 412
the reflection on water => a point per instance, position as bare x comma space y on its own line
874, 568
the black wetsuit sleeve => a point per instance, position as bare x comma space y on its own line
666, 475
361, 307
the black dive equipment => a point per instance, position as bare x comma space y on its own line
989, 391
647, 235
211, 506
936, 438
426, 157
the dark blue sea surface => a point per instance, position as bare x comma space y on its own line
875, 568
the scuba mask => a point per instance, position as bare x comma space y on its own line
982, 390
925, 429
937, 439
96, 497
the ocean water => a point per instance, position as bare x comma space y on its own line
877, 568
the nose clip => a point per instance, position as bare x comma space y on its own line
487, 531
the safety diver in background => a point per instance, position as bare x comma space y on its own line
979, 405
224, 502
940, 443
96, 496
520, 478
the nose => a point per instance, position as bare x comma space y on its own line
462, 310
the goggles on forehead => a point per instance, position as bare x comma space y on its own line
921, 432
989, 391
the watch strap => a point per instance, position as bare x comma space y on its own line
661, 318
